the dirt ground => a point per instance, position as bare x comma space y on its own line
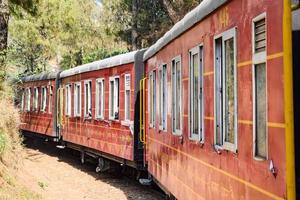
57, 174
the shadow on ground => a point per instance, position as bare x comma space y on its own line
129, 186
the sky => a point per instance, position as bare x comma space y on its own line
99, 2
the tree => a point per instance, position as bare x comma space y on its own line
142, 22
5, 7
177, 9
61, 33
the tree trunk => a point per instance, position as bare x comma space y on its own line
171, 11
4, 16
134, 34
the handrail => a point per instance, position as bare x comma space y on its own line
142, 111
57, 102
288, 101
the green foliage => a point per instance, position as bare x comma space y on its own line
152, 19
101, 54
60, 33
75, 59
30, 6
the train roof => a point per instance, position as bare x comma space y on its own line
196, 15
40, 77
101, 64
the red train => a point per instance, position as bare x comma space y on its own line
207, 110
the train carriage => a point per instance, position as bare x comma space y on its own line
100, 108
218, 123
207, 109
38, 104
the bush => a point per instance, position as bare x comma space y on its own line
10, 140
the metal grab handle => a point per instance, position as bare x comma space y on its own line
142, 111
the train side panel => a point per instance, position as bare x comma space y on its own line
197, 170
40, 121
112, 137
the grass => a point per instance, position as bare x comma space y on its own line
11, 149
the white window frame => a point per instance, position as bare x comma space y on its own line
88, 92
177, 132
98, 96
194, 136
163, 78
127, 88
28, 99
152, 107
68, 95
77, 110
259, 58
231, 33
36, 99
44, 99
114, 108
50, 99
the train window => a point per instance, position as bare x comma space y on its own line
259, 87
225, 91
50, 99
176, 96
163, 97
152, 97
88, 99
260, 35
260, 110
22, 99
196, 94
44, 99
77, 99
36, 99
114, 98
28, 97
100, 98
68, 100
127, 97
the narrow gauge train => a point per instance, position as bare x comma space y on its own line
207, 110
94, 109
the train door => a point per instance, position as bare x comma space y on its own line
59, 111
296, 87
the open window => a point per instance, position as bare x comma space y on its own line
36, 99
226, 90
152, 98
88, 99
77, 99
114, 98
196, 107
68, 100
259, 72
22, 100
176, 96
127, 96
50, 99
28, 98
100, 98
44, 99
163, 97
